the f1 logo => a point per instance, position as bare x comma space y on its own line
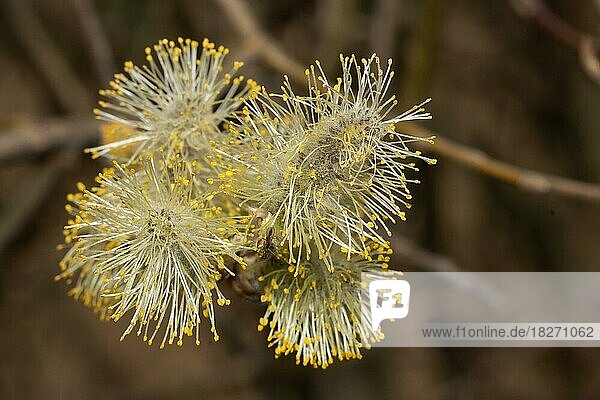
389, 299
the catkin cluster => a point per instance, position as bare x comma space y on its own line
286, 196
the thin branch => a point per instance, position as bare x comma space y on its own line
525, 179
585, 44
242, 19
529, 180
95, 36
537, 11
334, 17
32, 197
68, 89
383, 27
589, 56
35, 138
413, 255
422, 49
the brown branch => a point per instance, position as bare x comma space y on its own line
383, 27
532, 181
589, 56
409, 254
35, 138
333, 17
95, 36
585, 44
32, 197
242, 19
65, 85
421, 52
537, 11
529, 180
412, 255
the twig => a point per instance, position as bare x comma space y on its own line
537, 11
98, 44
334, 18
36, 138
585, 44
65, 85
242, 19
525, 179
32, 197
383, 27
522, 178
420, 62
589, 56
414, 256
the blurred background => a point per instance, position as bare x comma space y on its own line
517, 80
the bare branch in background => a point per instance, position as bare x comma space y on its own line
537, 11
589, 55
68, 89
242, 19
335, 17
32, 196
533, 181
383, 27
419, 63
97, 42
35, 138
414, 256
585, 44
525, 179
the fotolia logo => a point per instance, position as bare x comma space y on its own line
389, 299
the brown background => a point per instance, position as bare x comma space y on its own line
499, 83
